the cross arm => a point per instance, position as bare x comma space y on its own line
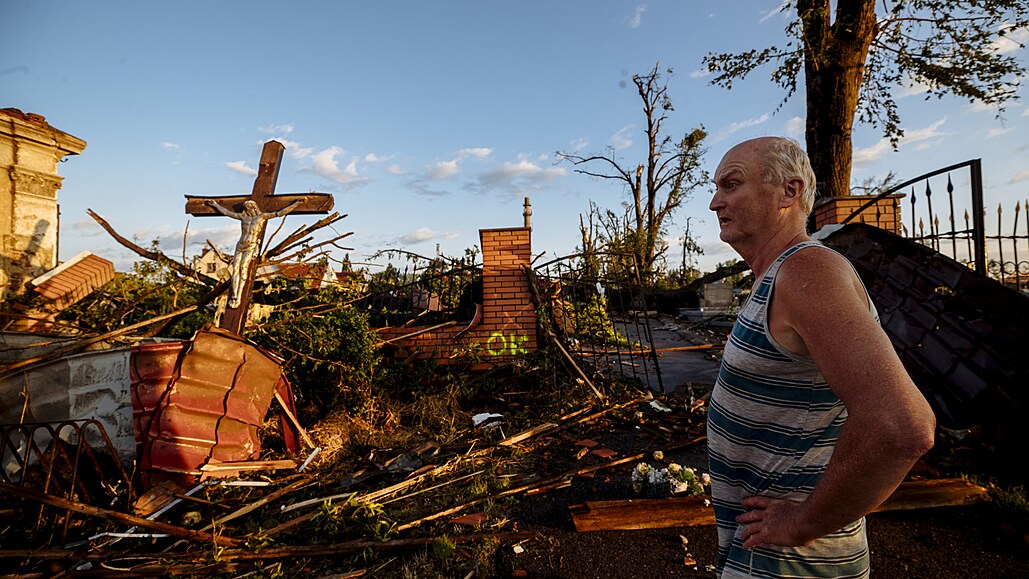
314, 204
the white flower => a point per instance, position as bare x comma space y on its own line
658, 455
705, 479
674, 468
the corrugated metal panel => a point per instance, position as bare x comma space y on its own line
960, 335
220, 389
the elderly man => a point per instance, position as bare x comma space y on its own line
813, 420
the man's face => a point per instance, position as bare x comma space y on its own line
250, 208
744, 204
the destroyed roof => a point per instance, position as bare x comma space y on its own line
74, 279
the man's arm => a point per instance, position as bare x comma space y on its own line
820, 303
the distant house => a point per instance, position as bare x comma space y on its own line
213, 264
312, 276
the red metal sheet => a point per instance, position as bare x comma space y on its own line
215, 396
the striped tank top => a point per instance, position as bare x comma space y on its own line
772, 425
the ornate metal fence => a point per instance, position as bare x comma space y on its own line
968, 238
603, 322
423, 293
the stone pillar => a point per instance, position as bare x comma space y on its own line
29, 152
884, 214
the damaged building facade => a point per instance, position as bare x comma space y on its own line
30, 150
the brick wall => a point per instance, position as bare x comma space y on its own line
884, 214
506, 326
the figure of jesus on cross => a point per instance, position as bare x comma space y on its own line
252, 221
253, 212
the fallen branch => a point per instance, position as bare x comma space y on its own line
554, 480
78, 345
551, 428
296, 485
268, 554
157, 256
198, 536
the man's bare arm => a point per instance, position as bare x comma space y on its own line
889, 424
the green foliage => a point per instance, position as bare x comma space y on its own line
592, 324
947, 46
443, 548
329, 350
148, 290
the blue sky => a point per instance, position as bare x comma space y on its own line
426, 120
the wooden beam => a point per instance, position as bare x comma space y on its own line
663, 513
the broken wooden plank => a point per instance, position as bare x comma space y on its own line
293, 420
662, 513
924, 494
295, 485
634, 514
116, 516
249, 465
544, 428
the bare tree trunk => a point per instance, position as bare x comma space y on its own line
834, 62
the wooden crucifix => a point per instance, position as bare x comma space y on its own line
253, 212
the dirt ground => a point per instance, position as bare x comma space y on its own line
959, 542
974, 541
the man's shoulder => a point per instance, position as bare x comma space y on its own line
816, 272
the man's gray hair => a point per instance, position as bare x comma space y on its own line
785, 160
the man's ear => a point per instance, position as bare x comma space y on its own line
793, 189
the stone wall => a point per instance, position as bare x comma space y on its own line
29, 152
506, 325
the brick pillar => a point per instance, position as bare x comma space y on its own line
509, 319
884, 214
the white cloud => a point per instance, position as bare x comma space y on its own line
579, 144
1019, 177
517, 176
621, 139
795, 128
911, 87
443, 170
425, 234
876, 151
992, 133
477, 152
1011, 41
700, 73
296, 150
241, 168
324, 164
734, 127
167, 145
637, 16
1025, 113
284, 129
779, 10
395, 169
